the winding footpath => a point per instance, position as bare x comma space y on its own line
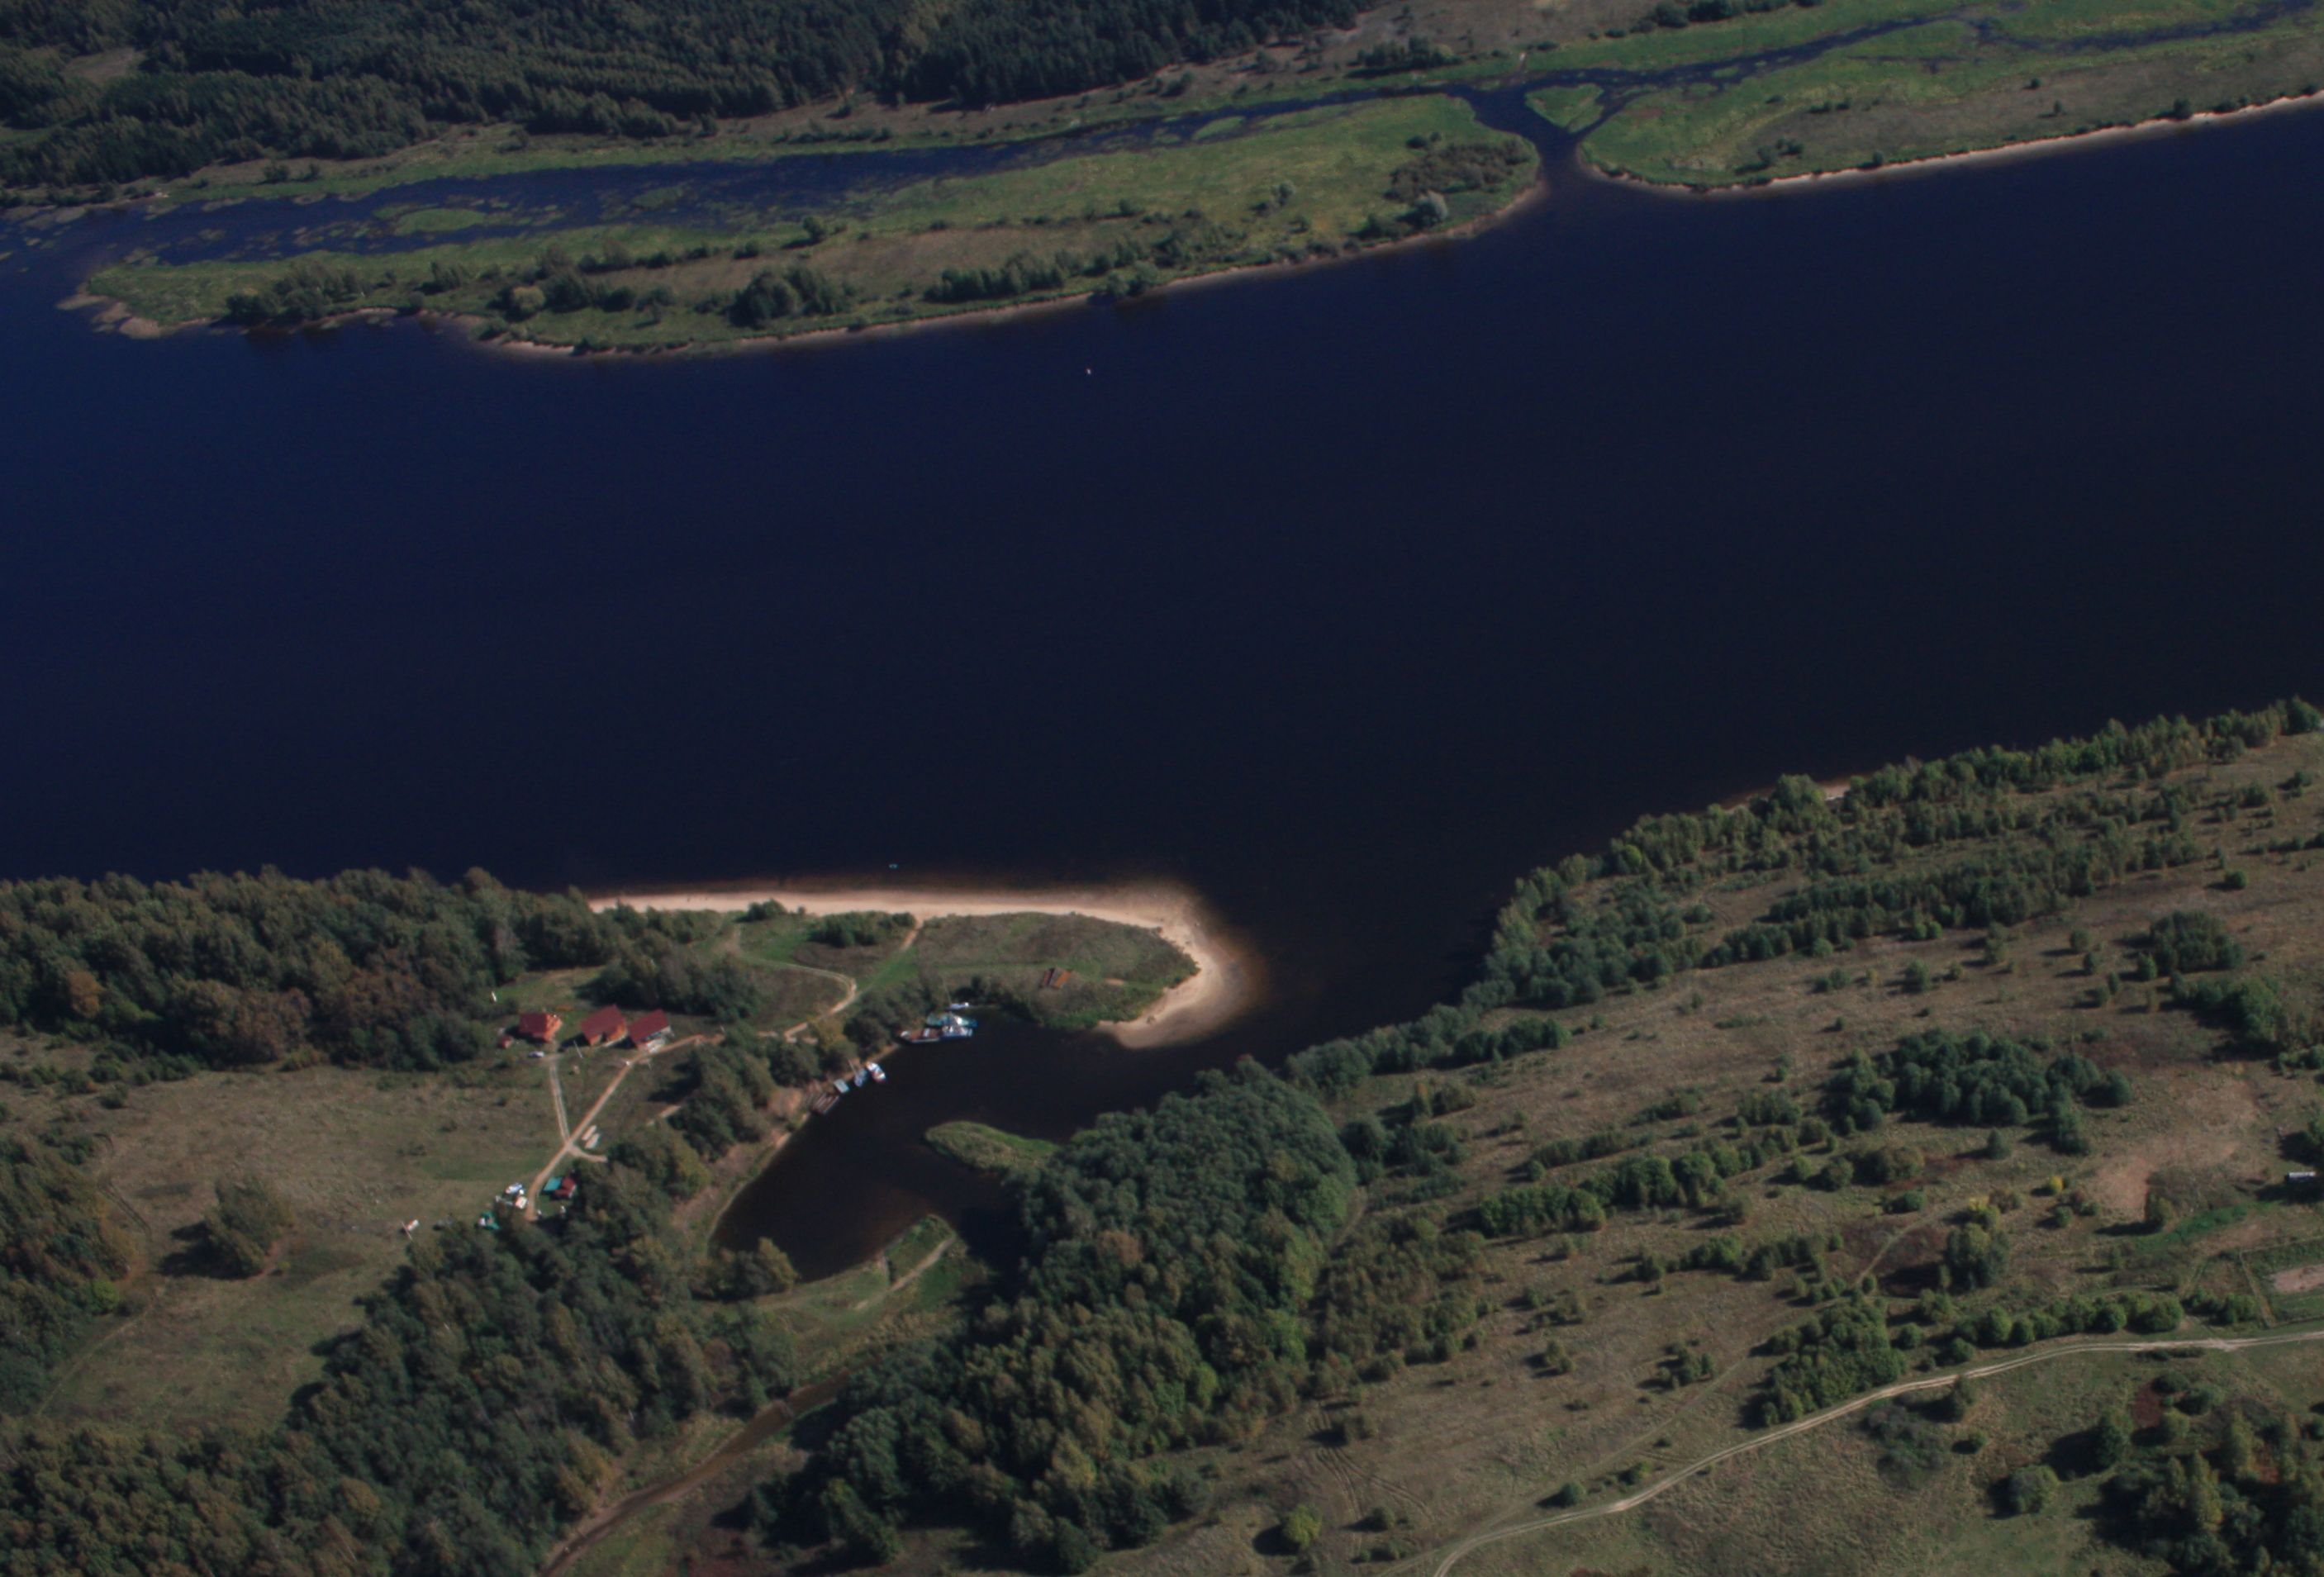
771, 1420
1456, 1554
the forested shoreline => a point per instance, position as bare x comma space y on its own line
1190, 1273
364, 969
1130, 1288
209, 82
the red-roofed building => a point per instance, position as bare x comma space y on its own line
604, 1027
647, 1030
540, 1027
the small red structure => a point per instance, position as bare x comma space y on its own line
647, 1030
604, 1027
566, 1188
540, 1027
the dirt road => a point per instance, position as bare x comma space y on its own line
568, 1134
1452, 1556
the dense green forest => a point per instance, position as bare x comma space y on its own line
2206, 1488
344, 78
1183, 1283
60, 1254
479, 1408
364, 968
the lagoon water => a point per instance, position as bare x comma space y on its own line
1342, 594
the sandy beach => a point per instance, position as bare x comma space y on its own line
2063, 142
1225, 981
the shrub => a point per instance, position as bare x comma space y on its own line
241, 1231
2184, 942
2029, 1490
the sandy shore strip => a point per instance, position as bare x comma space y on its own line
1933, 163
1225, 981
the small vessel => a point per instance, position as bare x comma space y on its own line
858, 1080
941, 1027
879, 1073
839, 1086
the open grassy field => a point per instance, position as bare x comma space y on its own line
354, 1154
1602, 1363
1857, 83
1304, 184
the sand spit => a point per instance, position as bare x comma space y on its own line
1225, 981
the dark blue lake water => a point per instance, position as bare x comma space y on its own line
1343, 594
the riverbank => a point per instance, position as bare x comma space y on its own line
1226, 983
1865, 86
2064, 143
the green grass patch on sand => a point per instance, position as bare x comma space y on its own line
1949, 78
1304, 184
984, 1148
1065, 971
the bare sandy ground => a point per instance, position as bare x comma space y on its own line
1224, 984
2299, 1278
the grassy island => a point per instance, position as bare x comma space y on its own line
984, 1148
1099, 171
1233, 192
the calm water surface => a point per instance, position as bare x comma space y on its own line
1342, 594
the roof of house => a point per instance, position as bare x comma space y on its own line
603, 1024
646, 1025
538, 1023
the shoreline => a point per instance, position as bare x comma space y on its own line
1227, 975
1928, 163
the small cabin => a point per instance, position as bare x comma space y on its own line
540, 1027
649, 1030
604, 1027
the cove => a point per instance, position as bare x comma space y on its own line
1340, 595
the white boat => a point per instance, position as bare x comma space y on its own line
879, 1073
859, 1076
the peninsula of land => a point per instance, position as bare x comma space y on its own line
1225, 981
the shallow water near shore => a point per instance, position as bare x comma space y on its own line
1339, 595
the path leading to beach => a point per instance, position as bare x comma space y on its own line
1225, 983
